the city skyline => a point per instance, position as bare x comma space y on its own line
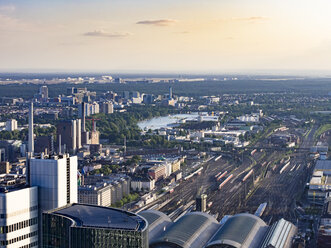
169, 36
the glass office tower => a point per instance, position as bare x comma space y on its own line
85, 226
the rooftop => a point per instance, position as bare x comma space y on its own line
191, 230
11, 182
101, 217
240, 230
323, 165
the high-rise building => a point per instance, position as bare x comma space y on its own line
56, 178
85, 226
31, 134
18, 212
78, 133
44, 92
5, 167
44, 144
107, 108
201, 203
2, 155
11, 125
70, 132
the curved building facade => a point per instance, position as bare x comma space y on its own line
85, 226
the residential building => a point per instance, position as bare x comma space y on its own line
157, 172
142, 183
11, 125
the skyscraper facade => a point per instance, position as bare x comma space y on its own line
85, 226
18, 212
56, 178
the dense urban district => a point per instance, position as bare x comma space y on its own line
164, 161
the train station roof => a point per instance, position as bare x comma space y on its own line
158, 222
193, 230
241, 230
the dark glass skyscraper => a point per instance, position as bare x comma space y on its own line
85, 226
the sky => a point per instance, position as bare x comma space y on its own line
210, 36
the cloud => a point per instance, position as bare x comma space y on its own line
183, 32
7, 8
163, 22
102, 33
251, 18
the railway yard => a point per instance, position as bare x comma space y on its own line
273, 176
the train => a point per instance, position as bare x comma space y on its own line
260, 210
220, 156
248, 174
198, 171
284, 167
223, 174
219, 173
225, 181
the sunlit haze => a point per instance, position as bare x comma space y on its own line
168, 35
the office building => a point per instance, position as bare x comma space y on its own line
148, 99
70, 131
2, 155
43, 92
11, 125
201, 203
44, 144
18, 212
99, 188
5, 167
56, 177
10, 150
320, 182
98, 194
86, 226
157, 172
324, 229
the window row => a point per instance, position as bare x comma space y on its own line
4, 216
17, 239
18, 226
33, 244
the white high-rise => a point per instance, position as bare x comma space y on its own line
11, 125
18, 213
56, 178
79, 133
